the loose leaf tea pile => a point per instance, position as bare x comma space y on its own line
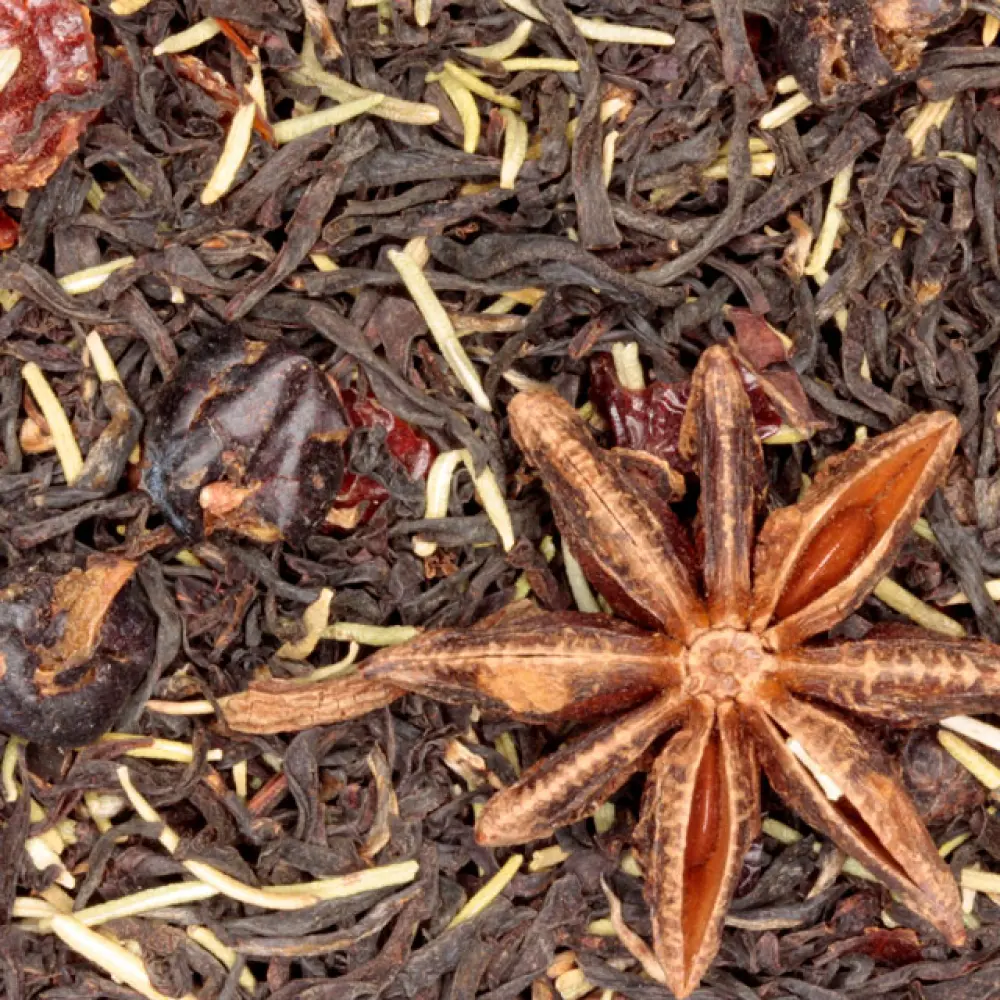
271, 274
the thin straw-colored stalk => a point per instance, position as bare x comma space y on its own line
785, 111
422, 12
477, 86
226, 955
120, 963
160, 749
468, 111
578, 585
901, 600
295, 128
515, 147
189, 38
482, 899
437, 492
974, 729
991, 28
491, 497
234, 152
163, 896
628, 367
370, 635
102, 361
539, 64
506, 47
440, 326
822, 250
981, 768
68, 451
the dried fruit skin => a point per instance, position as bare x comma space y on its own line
246, 437
72, 649
58, 59
839, 49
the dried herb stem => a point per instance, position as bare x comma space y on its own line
785, 111
489, 891
295, 128
199, 33
226, 955
506, 47
901, 600
68, 451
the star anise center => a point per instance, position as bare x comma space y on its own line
724, 663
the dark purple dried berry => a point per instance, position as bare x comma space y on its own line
838, 50
72, 649
247, 437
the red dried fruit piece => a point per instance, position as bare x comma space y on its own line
650, 420
72, 649
9, 231
839, 49
406, 444
247, 437
58, 59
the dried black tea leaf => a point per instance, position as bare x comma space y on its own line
247, 437
72, 648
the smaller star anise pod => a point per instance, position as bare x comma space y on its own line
707, 675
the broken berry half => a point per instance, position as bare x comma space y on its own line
247, 437
48, 61
73, 647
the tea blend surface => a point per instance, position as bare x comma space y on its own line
272, 272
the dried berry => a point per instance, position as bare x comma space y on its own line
360, 496
52, 46
247, 437
72, 648
839, 49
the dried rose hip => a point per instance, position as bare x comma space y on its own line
839, 49
54, 50
247, 437
72, 648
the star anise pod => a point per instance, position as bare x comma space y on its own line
708, 674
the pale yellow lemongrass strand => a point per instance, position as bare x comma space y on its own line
901, 600
124, 8
116, 960
785, 111
468, 111
338, 669
578, 585
159, 749
311, 74
10, 60
67, 449
628, 367
103, 363
786, 84
624, 34
822, 250
370, 635
355, 883
294, 128
931, 115
163, 896
226, 955
8, 766
199, 707
506, 47
477, 86
492, 500
974, 729
314, 619
540, 64
437, 493
234, 152
440, 326
515, 147
981, 768
199, 33
761, 165
422, 12
225, 884
980, 881
489, 892
991, 28
608, 157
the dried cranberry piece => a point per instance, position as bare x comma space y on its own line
403, 441
246, 437
650, 420
58, 59
73, 647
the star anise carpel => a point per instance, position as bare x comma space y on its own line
706, 673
